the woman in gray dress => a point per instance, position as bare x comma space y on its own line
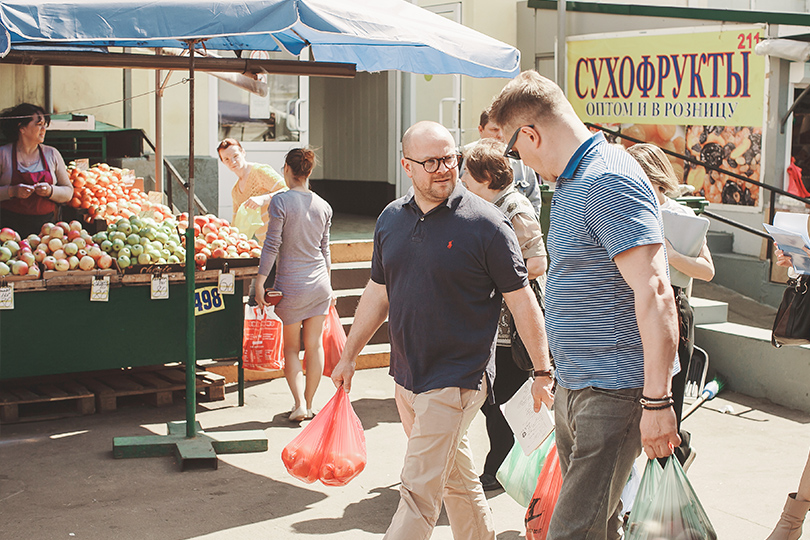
298, 242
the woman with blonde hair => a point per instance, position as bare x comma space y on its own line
298, 237
255, 185
659, 170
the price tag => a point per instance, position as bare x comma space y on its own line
226, 283
160, 287
207, 300
100, 289
7, 296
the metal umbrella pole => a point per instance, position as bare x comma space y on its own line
192, 447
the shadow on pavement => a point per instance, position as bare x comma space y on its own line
372, 515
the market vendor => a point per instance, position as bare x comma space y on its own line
255, 185
33, 176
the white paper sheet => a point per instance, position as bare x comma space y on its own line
530, 428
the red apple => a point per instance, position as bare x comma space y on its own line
200, 259
75, 225
49, 262
55, 243
39, 255
33, 240
73, 262
7, 234
28, 258
33, 271
218, 253
60, 254
210, 237
64, 226
105, 261
62, 265
19, 268
87, 262
72, 235
56, 232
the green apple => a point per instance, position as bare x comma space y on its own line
144, 258
125, 252
136, 250
133, 239
124, 262
117, 244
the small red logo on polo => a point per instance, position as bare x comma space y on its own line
449, 244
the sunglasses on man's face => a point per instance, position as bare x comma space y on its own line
510, 151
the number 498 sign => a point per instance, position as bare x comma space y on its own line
207, 300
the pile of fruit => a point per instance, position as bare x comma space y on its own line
142, 241
103, 191
59, 247
67, 246
16, 257
215, 238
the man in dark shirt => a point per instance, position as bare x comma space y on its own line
442, 259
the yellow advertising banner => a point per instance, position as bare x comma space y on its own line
697, 92
689, 77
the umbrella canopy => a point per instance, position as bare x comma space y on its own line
376, 35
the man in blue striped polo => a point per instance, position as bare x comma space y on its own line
611, 318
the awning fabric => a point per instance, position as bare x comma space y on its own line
376, 35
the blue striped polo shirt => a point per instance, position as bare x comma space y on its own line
603, 205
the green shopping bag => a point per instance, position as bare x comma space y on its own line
667, 507
518, 473
248, 220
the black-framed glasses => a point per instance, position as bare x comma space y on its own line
432, 165
512, 152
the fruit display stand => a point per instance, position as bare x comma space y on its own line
129, 330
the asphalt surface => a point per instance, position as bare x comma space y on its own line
58, 478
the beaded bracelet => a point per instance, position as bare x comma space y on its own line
657, 408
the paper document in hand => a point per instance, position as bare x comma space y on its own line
687, 234
790, 232
530, 428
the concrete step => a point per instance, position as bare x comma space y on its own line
744, 357
380, 336
347, 300
709, 311
350, 275
347, 251
748, 276
720, 242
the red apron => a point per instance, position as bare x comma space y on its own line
33, 205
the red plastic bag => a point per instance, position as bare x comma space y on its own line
262, 348
332, 448
334, 340
541, 507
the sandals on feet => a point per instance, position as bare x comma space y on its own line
298, 414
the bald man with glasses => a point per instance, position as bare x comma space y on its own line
443, 258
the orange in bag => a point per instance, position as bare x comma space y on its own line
332, 448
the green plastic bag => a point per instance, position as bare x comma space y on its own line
518, 473
667, 508
248, 220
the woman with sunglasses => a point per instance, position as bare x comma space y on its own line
33, 176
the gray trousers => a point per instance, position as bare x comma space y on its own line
598, 439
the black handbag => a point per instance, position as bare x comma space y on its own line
519, 353
792, 323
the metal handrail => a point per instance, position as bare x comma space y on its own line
706, 165
176, 175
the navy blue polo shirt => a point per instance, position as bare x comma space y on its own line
444, 273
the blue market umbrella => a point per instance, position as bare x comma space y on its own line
376, 35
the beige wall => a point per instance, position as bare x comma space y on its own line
99, 91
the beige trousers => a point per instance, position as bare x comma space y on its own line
439, 466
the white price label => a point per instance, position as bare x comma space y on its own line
100, 289
226, 283
7, 296
160, 287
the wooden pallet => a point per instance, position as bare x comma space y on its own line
43, 401
49, 397
158, 387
